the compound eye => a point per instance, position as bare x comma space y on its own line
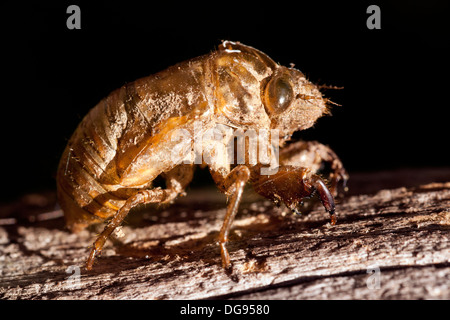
278, 95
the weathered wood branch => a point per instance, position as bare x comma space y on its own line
171, 253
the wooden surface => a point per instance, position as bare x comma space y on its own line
397, 223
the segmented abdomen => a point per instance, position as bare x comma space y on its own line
93, 178
84, 192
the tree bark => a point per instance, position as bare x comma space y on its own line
391, 242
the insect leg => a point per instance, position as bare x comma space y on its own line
141, 197
233, 185
179, 178
320, 159
291, 185
325, 196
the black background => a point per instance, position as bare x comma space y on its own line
394, 106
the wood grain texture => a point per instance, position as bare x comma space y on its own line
171, 253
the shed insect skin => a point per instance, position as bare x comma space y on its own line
122, 145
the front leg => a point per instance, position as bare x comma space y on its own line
319, 159
291, 185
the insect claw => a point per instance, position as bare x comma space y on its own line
95, 251
90, 260
326, 197
333, 219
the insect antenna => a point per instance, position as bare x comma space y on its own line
306, 97
327, 87
327, 101
331, 102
